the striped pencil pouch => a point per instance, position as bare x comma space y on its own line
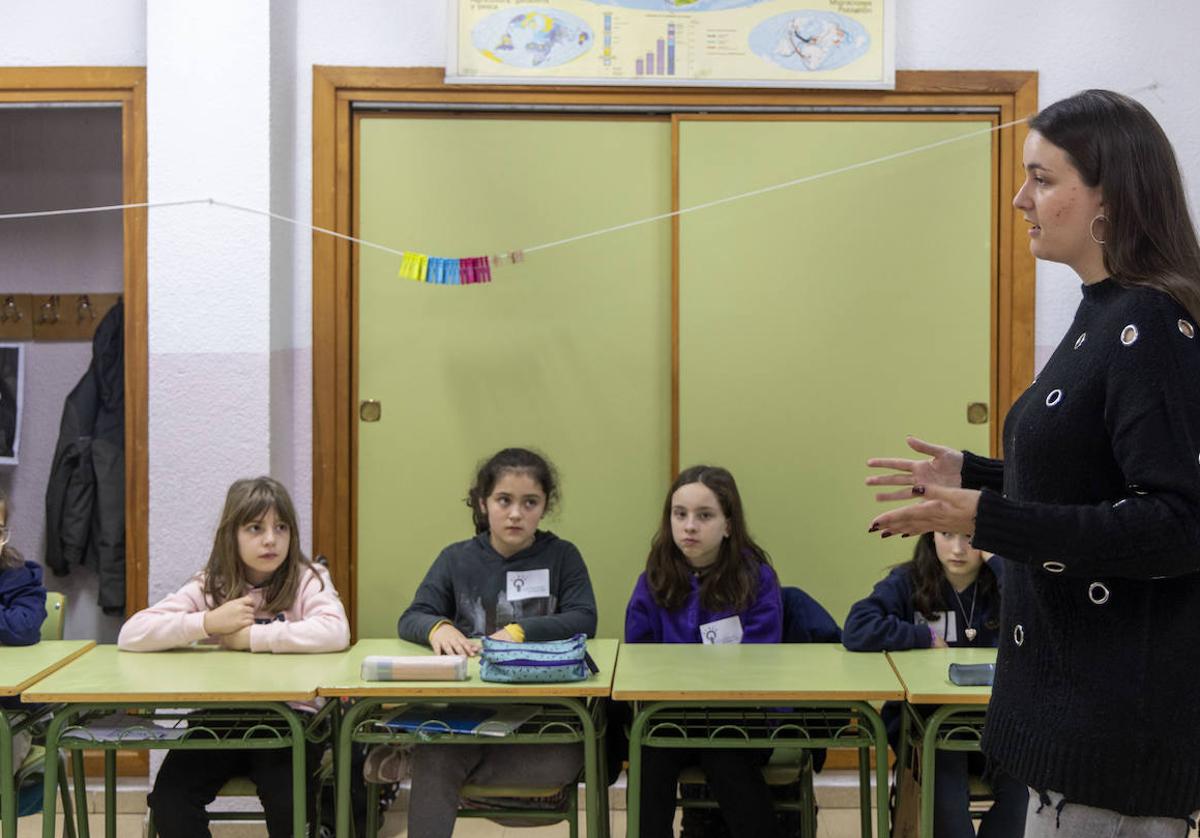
545, 662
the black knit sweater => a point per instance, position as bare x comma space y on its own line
1096, 692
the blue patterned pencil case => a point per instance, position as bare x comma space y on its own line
545, 662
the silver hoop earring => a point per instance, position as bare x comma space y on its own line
1100, 217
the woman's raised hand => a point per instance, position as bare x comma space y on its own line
943, 468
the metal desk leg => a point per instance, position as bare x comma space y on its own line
342, 763
929, 764
8, 786
110, 794
81, 813
879, 736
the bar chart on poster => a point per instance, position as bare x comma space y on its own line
770, 43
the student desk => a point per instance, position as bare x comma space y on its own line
107, 680
21, 666
956, 725
573, 713
757, 696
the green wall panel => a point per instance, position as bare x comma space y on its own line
823, 322
568, 352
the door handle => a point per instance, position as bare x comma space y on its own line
369, 410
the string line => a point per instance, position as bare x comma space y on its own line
728, 199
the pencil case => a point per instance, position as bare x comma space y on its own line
972, 674
414, 668
544, 662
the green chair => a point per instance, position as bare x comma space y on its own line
787, 768
56, 612
562, 803
244, 787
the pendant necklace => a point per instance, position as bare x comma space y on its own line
969, 631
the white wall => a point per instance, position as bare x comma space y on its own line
198, 441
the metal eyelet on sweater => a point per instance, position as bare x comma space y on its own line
1053, 567
1079, 340
1098, 593
1129, 334
1018, 634
1121, 501
1136, 489
1187, 329
1053, 398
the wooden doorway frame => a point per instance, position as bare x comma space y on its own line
1011, 95
125, 86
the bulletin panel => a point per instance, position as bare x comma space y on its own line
569, 352
820, 323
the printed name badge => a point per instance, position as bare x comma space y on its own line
946, 625
528, 584
728, 630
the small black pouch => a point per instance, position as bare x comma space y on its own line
972, 674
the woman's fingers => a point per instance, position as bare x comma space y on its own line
923, 447
900, 494
894, 463
890, 480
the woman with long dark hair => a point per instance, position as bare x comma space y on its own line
1097, 502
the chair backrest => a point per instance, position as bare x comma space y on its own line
56, 613
805, 620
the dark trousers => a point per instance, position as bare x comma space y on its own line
734, 778
190, 780
952, 799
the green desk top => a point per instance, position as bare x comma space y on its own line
199, 673
21, 666
347, 680
925, 674
736, 672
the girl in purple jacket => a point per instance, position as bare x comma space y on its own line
706, 581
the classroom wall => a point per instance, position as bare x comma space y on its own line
223, 95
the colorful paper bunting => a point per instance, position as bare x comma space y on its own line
471, 270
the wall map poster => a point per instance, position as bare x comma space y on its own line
751, 43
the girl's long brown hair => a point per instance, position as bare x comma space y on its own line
1115, 144
731, 583
225, 574
928, 581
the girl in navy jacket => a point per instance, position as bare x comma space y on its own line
22, 609
947, 595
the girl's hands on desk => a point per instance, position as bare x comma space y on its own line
447, 640
503, 634
944, 468
230, 617
238, 640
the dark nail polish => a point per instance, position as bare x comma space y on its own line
906, 535
887, 534
873, 528
918, 490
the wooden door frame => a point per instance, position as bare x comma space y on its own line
1012, 95
125, 86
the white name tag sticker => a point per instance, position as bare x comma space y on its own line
728, 630
946, 625
528, 584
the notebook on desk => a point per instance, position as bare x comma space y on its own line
472, 719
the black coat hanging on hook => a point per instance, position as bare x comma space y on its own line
85, 497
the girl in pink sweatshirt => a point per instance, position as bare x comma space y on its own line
258, 593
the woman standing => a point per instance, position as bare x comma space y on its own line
1097, 503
